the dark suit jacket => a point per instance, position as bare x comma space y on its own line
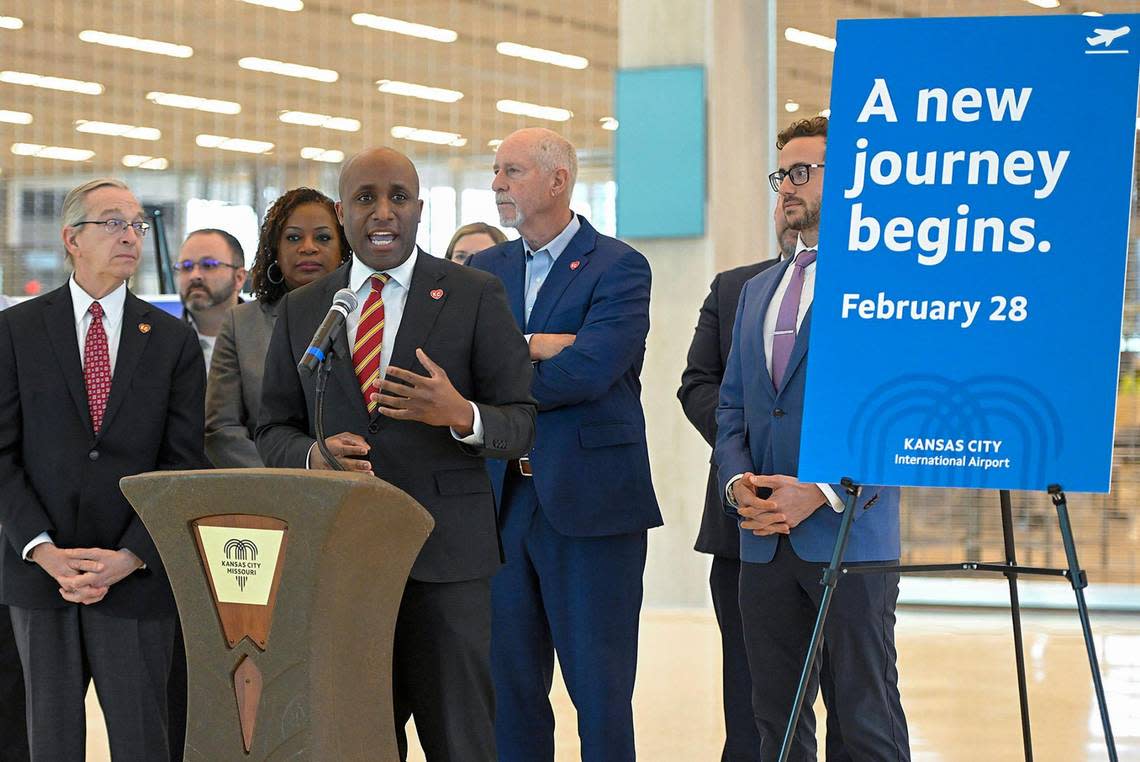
590, 460
758, 430
469, 332
56, 476
233, 389
700, 390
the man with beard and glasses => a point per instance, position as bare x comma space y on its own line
575, 511
211, 271
429, 377
787, 527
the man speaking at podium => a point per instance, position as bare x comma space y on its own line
788, 528
95, 385
430, 376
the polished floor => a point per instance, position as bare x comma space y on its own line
957, 680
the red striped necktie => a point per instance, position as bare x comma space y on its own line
96, 367
369, 340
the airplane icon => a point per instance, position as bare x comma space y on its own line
1106, 36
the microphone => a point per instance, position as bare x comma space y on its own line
344, 302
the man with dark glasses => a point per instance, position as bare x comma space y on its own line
211, 271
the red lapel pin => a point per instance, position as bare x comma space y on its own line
437, 294
144, 327
575, 264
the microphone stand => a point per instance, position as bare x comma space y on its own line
323, 371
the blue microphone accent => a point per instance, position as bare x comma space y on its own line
317, 353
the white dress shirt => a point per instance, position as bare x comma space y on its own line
395, 295
770, 317
112, 304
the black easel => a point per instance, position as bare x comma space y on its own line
1009, 569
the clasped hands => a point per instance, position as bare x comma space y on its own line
790, 502
407, 396
85, 574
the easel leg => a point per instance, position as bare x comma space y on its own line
1080, 582
1015, 610
829, 581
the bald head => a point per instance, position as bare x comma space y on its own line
379, 207
549, 149
535, 169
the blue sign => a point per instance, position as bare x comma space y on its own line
965, 328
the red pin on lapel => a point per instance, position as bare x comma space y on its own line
575, 264
437, 294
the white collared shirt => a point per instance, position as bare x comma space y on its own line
113, 305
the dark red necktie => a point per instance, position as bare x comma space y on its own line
96, 367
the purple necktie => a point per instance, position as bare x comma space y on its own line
785, 337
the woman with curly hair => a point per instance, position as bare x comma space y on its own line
301, 241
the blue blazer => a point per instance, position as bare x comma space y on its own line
590, 459
758, 430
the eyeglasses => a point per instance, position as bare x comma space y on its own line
206, 264
799, 175
116, 226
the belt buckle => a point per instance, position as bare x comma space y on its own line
524, 466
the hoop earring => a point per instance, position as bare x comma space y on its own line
269, 274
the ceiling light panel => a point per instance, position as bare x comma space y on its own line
51, 152
434, 137
608, 123
118, 130
342, 123
176, 100
549, 113
541, 55
412, 90
142, 45
399, 26
135, 161
233, 144
15, 117
51, 83
11, 22
329, 155
810, 39
286, 69
280, 5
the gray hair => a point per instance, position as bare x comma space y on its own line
73, 203
555, 152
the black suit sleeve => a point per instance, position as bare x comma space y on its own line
183, 440
283, 439
21, 513
700, 381
501, 371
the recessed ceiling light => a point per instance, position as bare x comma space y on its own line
826, 113
233, 144
342, 123
118, 130
550, 113
429, 136
412, 90
387, 24
1091, 13
1045, 3
140, 44
51, 83
281, 5
609, 123
11, 22
287, 69
791, 106
330, 155
15, 117
811, 39
194, 102
494, 143
136, 161
542, 55
51, 152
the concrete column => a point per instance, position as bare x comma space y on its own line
731, 38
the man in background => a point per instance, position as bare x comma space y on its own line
574, 512
211, 271
95, 385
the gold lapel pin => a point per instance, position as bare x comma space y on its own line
144, 327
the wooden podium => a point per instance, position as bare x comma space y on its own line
288, 583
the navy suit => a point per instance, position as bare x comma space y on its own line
574, 534
758, 430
